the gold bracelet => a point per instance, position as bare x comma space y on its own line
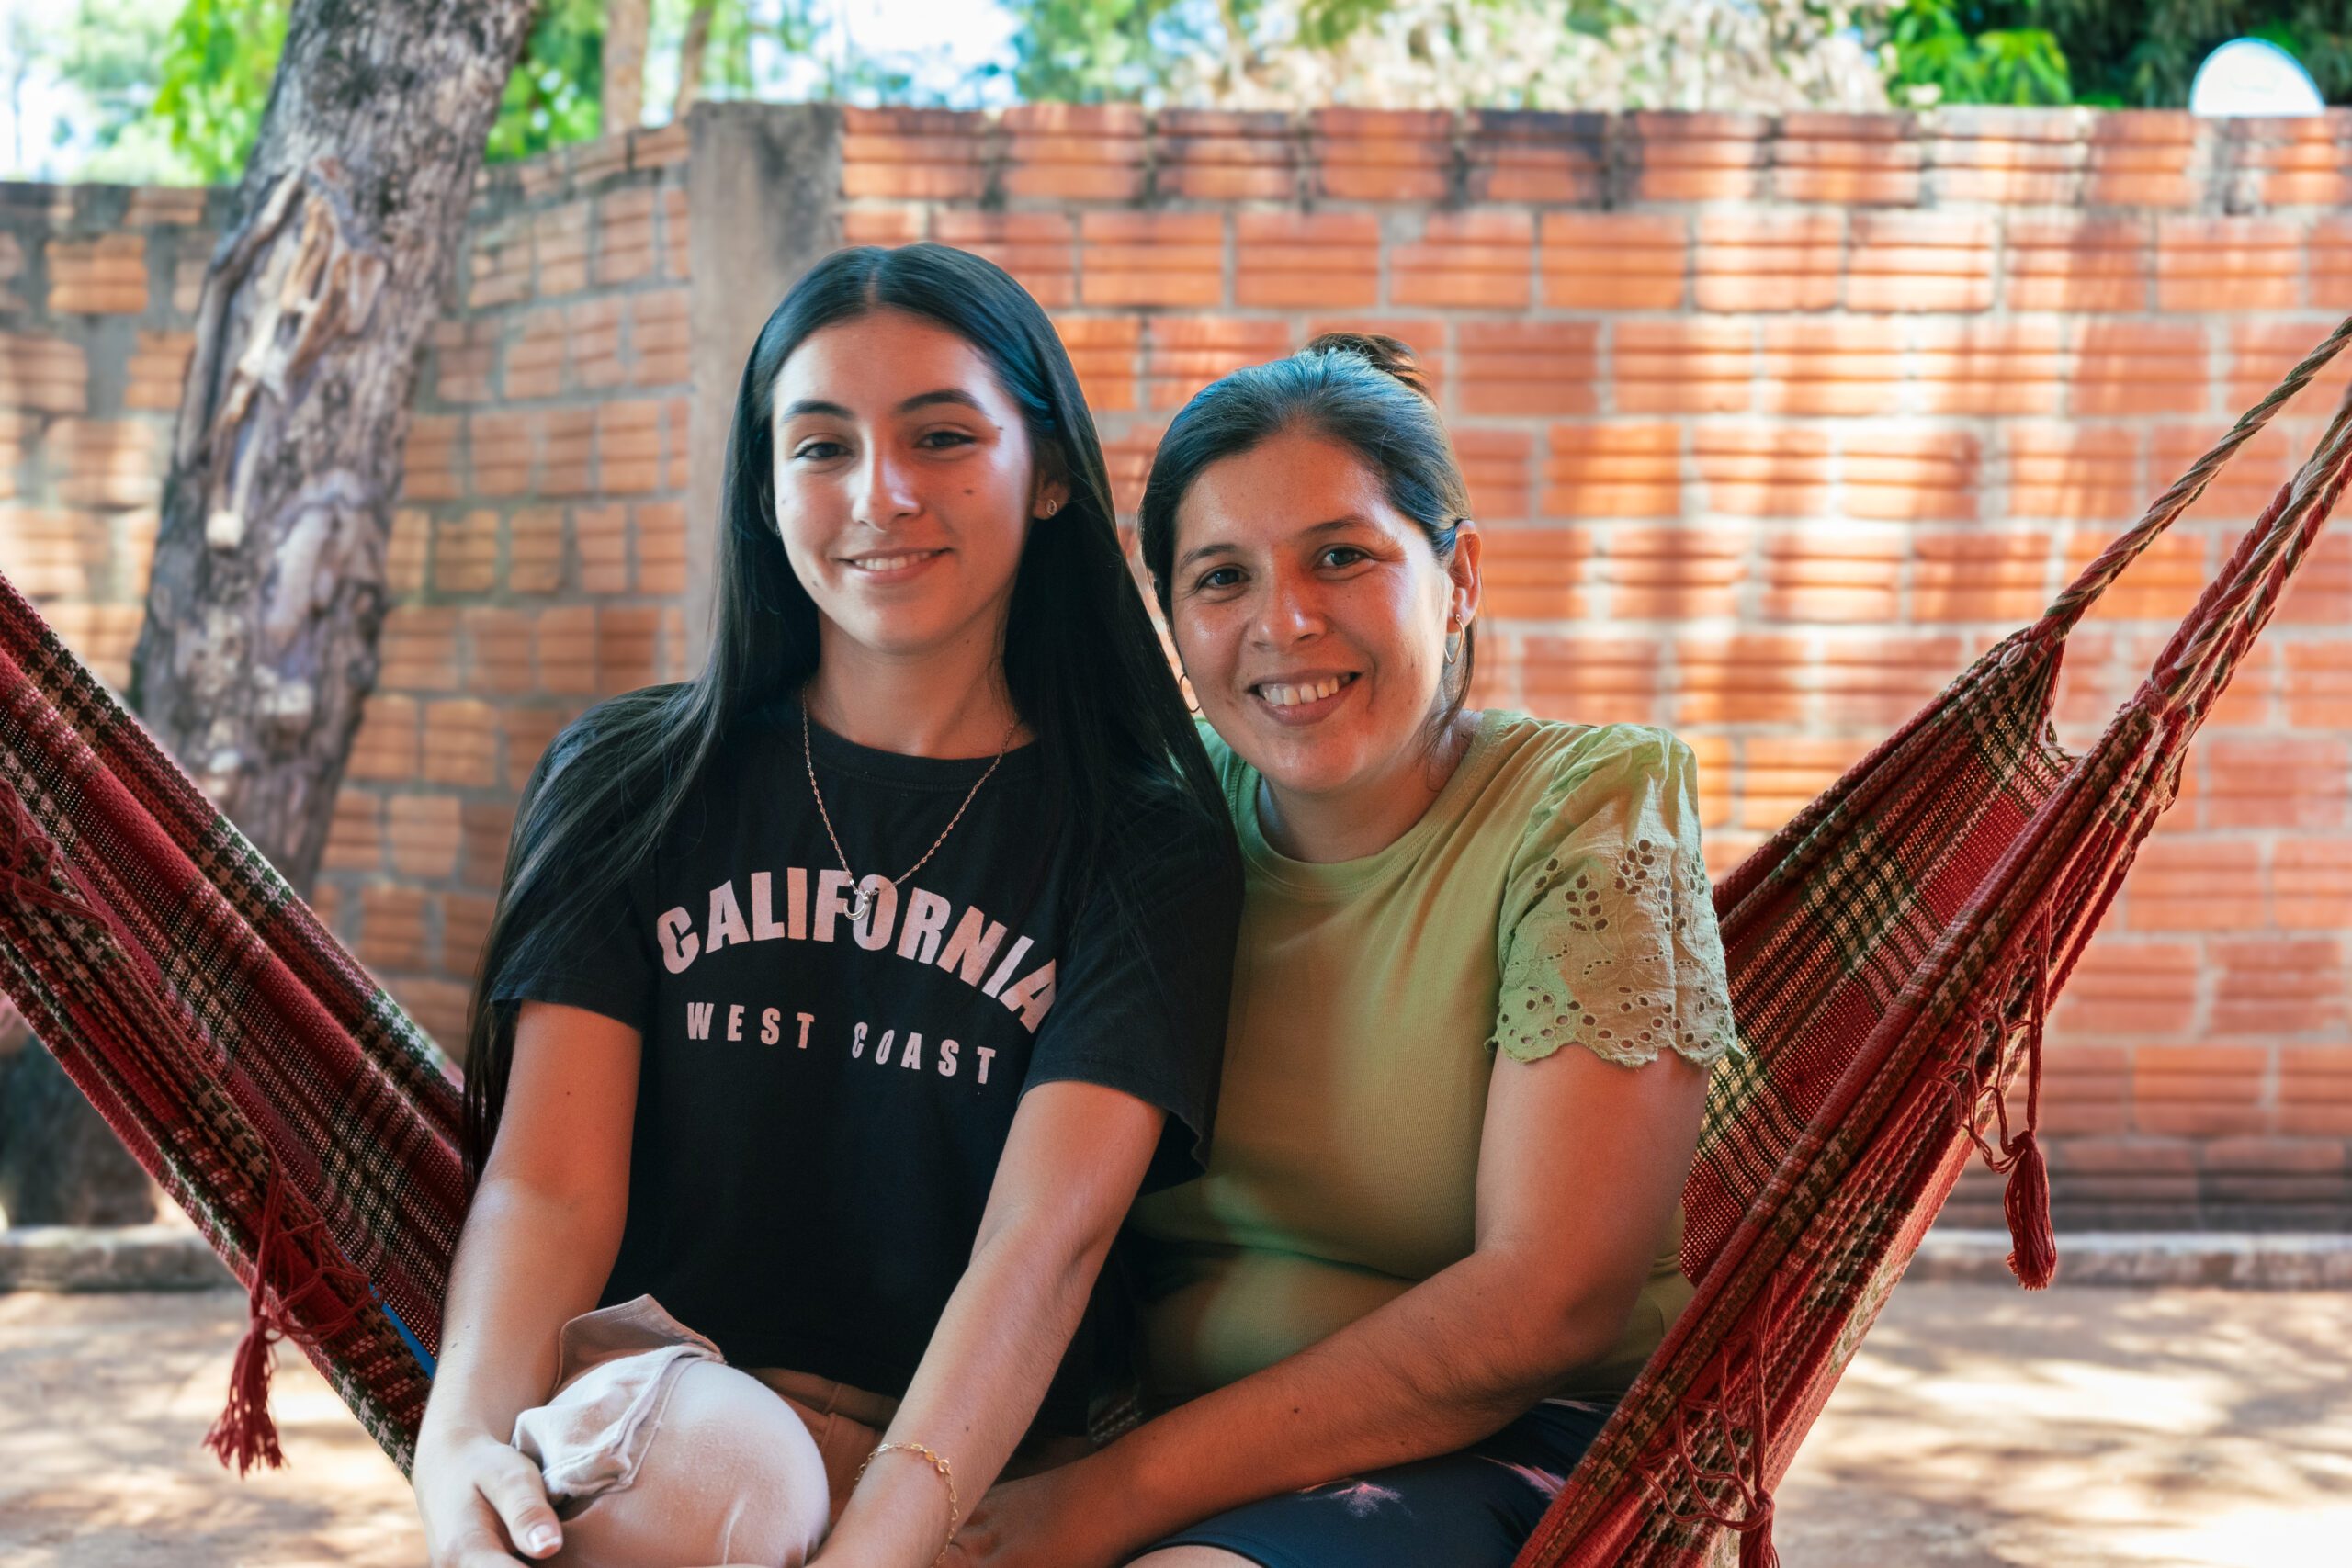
947, 1474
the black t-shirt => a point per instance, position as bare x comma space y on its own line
821, 1104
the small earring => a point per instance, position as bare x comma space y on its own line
1052, 507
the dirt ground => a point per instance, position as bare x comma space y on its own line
1980, 1426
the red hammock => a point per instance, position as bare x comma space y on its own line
1894, 952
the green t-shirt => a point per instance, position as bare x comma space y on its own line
1552, 894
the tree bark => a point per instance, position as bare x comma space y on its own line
259, 647
691, 55
625, 28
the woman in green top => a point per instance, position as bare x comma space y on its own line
1431, 1246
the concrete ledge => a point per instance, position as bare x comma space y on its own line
2231, 1260
128, 1257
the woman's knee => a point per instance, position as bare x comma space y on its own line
729, 1475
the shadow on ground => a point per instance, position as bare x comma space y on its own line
1980, 1426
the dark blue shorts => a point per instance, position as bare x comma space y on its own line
1471, 1509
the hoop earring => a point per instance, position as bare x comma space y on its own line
1051, 507
1453, 631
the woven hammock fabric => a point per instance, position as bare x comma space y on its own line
1894, 951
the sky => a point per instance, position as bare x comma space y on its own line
941, 42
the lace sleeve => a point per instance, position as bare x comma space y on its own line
1614, 946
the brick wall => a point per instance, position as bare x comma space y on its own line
1773, 425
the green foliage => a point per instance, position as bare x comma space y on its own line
2118, 53
1935, 58
1092, 51
217, 66
107, 52
555, 95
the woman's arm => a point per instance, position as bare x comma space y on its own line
538, 1244
1581, 1165
1071, 1169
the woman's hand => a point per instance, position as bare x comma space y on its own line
476, 1496
1054, 1520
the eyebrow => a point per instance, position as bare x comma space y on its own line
1220, 547
919, 401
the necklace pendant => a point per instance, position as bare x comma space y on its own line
859, 906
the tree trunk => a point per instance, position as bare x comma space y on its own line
259, 645
624, 67
689, 59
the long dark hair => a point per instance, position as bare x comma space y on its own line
1081, 661
1361, 389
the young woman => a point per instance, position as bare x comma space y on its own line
1478, 994
840, 999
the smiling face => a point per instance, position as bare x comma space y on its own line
904, 485
1312, 616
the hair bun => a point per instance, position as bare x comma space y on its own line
1391, 356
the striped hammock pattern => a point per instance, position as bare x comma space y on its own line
1894, 952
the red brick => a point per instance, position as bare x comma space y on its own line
499, 650
568, 649
1074, 152
1152, 258
1921, 261
627, 647
2196, 885
535, 550
1590, 680
2315, 1090
103, 275
1677, 573
1528, 367
356, 837
2160, 585
527, 731
2264, 349
1766, 260
2067, 470
1039, 249
429, 472
505, 448
2002, 577
1535, 574
1613, 261
659, 529
391, 928
1813, 678
1495, 466
1184, 354
1103, 350
2330, 264
601, 535
1821, 574
1708, 157
460, 743
1223, 155
1516, 156
106, 462
1780, 774
559, 240
1831, 366
465, 553
385, 750
1763, 470
2245, 486
2139, 367
1909, 475
418, 646
2320, 593
2227, 263
1832, 163
2078, 263
2131, 988
424, 835
2280, 986
1682, 367
1306, 260
659, 338
1478, 260
624, 235
158, 365
1381, 154
2277, 782
483, 828
628, 447
886, 226
1613, 470
43, 375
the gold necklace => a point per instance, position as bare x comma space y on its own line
863, 900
